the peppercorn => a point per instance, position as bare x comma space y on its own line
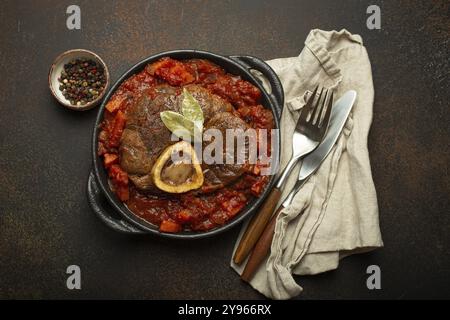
81, 81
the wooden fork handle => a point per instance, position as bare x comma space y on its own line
261, 250
256, 226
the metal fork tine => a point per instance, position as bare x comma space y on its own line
316, 106
311, 98
318, 110
307, 107
326, 118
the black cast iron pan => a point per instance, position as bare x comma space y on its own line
105, 203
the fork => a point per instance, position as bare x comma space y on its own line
309, 131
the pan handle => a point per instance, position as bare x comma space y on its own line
277, 94
98, 203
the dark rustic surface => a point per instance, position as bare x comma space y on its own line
45, 221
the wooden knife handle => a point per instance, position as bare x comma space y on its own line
256, 226
261, 250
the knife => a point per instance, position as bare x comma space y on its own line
310, 164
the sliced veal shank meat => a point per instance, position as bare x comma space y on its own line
219, 175
145, 135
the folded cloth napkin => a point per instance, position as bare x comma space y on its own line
335, 214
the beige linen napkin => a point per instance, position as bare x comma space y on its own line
335, 214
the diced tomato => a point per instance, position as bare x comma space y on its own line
101, 148
103, 136
258, 187
184, 216
123, 192
120, 181
232, 211
153, 67
117, 129
110, 159
219, 217
174, 72
244, 111
114, 104
239, 92
204, 70
234, 204
203, 225
139, 82
169, 226
204, 67
118, 175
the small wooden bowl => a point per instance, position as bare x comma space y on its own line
58, 66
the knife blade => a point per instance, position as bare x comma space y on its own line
339, 114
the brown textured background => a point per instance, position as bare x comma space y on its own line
46, 223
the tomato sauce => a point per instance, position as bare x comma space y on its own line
193, 210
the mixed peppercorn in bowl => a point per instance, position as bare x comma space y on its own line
78, 79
